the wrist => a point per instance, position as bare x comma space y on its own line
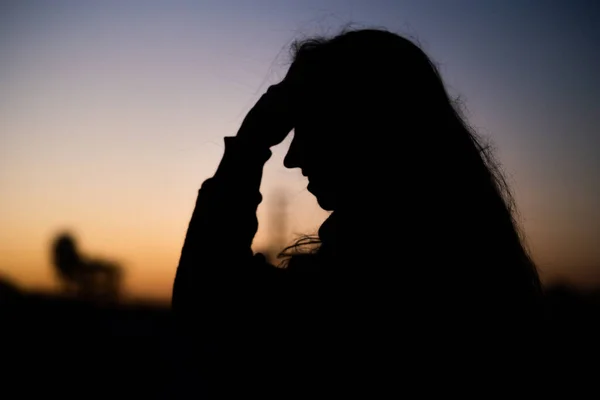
242, 157
247, 147
249, 139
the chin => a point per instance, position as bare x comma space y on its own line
324, 199
325, 206
325, 203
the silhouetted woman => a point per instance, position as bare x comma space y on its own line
421, 253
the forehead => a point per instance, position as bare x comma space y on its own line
312, 117
318, 105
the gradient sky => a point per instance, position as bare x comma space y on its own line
112, 115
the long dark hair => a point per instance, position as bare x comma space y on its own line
461, 168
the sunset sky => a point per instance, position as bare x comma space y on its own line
112, 114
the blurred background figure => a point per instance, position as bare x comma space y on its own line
86, 278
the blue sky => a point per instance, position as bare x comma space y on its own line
106, 104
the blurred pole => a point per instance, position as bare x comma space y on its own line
278, 224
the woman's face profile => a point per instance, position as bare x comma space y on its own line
314, 152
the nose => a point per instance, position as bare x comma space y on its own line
292, 158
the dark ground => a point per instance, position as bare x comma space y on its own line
58, 346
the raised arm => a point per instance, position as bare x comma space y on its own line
223, 224
220, 286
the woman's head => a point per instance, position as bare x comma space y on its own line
366, 102
376, 132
